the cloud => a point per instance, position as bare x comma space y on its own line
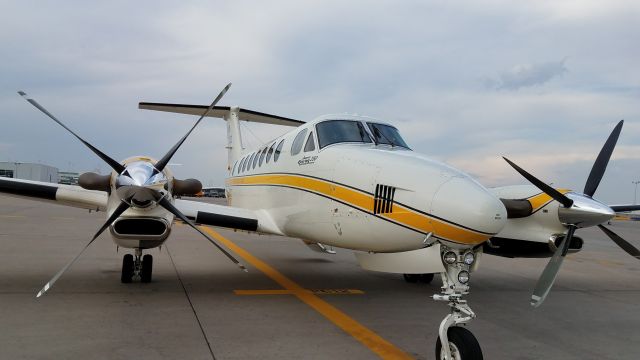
527, 75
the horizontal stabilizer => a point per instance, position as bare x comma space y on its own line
221, 112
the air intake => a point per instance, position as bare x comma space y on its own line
383, 199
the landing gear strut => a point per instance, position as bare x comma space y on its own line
455, 342
141, 266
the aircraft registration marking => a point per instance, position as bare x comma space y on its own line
400, 214
367, 337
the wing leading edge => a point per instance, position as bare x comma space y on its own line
68, 195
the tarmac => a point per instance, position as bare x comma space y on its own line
293, 303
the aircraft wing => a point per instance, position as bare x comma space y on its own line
69, 195
219, 215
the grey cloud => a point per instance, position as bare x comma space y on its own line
527, 75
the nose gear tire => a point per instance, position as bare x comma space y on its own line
465, 345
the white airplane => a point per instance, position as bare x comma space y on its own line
347, 182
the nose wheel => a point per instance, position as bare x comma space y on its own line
455, 342
140, 266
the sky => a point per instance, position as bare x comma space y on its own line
466, 82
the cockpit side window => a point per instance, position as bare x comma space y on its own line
341, 131
296, 146
311, 144
385, 134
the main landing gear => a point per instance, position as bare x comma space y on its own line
455, 342
141, 266
414, 278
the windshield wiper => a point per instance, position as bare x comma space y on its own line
377, 132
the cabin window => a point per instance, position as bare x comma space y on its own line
311, 144
341, 131
270, 152
241, 167
233, 171
296, 146
276, 154
262, 155
386, 134
246, 163
255, 160
250, 161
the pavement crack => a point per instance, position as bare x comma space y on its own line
195, 313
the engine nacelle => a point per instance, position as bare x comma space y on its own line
513, 248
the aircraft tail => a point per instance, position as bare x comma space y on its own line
232, 115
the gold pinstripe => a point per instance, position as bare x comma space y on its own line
400, 214
542, 199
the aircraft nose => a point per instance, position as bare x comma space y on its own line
470, 213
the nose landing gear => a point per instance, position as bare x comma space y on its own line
141, 266
455, 342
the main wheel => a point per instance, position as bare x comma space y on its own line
462, 343
147, 268
411, 278
426, 278
127, 269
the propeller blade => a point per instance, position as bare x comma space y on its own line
114, 164
555, 194
623, 208
160, 165
548, 277
169, 206
624, 244
600, 165
119, 210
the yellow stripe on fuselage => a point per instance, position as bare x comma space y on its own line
542, 199
363, 201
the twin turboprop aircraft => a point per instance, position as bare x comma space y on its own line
349, 182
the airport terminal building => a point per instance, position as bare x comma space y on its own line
29, 171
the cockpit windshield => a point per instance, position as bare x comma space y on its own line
385, 134
341, 131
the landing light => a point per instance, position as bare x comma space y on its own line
463, 276
450, 257
469, 258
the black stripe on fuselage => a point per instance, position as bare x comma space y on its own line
226, 221
27, 189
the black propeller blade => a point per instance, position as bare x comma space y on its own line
169, 206
118, 211
160, 165
548, 276
626, 246
114, 164
623, 208
600, 165
555, 194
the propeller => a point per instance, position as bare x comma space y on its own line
160, 165
139, 184
122, 207
578, 211
169, 206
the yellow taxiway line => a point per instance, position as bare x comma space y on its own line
368, 338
